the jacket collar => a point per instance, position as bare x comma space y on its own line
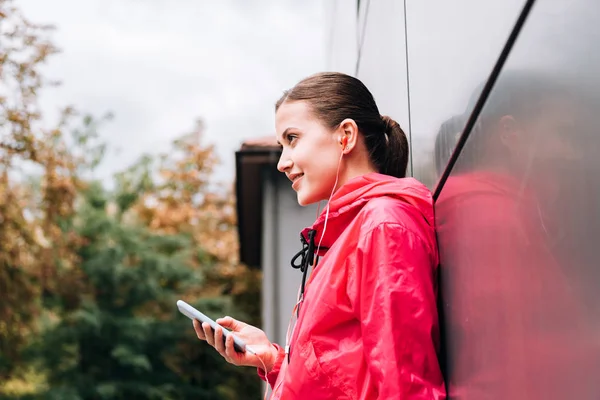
349, 199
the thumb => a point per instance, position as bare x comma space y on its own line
231, 324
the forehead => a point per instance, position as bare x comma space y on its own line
293, 114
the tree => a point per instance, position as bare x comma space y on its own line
89, 277
142, 252
32, 245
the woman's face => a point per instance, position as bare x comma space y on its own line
311, 152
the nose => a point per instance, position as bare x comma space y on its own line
285, 163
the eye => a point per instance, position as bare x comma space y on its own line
291, 138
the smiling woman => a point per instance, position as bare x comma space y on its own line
335, 103
367, 323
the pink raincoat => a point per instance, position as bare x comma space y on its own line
368, 326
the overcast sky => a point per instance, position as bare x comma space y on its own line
160, 64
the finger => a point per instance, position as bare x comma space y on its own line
231, 323
230, 351
219, 345
198, 329
210, 337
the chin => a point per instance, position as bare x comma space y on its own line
305, 199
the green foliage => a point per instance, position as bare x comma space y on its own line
126, 340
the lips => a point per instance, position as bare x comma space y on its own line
295, 178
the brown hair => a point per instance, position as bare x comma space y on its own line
334, 97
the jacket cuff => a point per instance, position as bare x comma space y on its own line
271, 376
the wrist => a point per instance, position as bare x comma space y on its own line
271, 359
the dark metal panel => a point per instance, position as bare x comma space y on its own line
249, 199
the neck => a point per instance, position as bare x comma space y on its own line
350, 171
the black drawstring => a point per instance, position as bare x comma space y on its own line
302, 261
306, 256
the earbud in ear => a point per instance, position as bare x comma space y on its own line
344, 142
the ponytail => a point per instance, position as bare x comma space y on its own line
395, 160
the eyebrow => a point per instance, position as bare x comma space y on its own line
285, 133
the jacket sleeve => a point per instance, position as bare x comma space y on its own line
396, 304
271, 376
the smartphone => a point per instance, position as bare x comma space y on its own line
193, 314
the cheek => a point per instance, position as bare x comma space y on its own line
316, 160
320, 169
325, 171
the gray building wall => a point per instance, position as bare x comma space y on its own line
523, 322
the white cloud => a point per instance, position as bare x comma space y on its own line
158, 65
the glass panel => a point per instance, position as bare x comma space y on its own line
452, 45
382, 64
519, 220
341, 33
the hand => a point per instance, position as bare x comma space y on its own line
256, 339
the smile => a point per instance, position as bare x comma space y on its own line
295, 179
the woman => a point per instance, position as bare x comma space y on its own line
367, 324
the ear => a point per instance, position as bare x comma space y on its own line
349, 135
510, 133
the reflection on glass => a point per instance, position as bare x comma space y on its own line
518, 225
451, 46
446, 140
